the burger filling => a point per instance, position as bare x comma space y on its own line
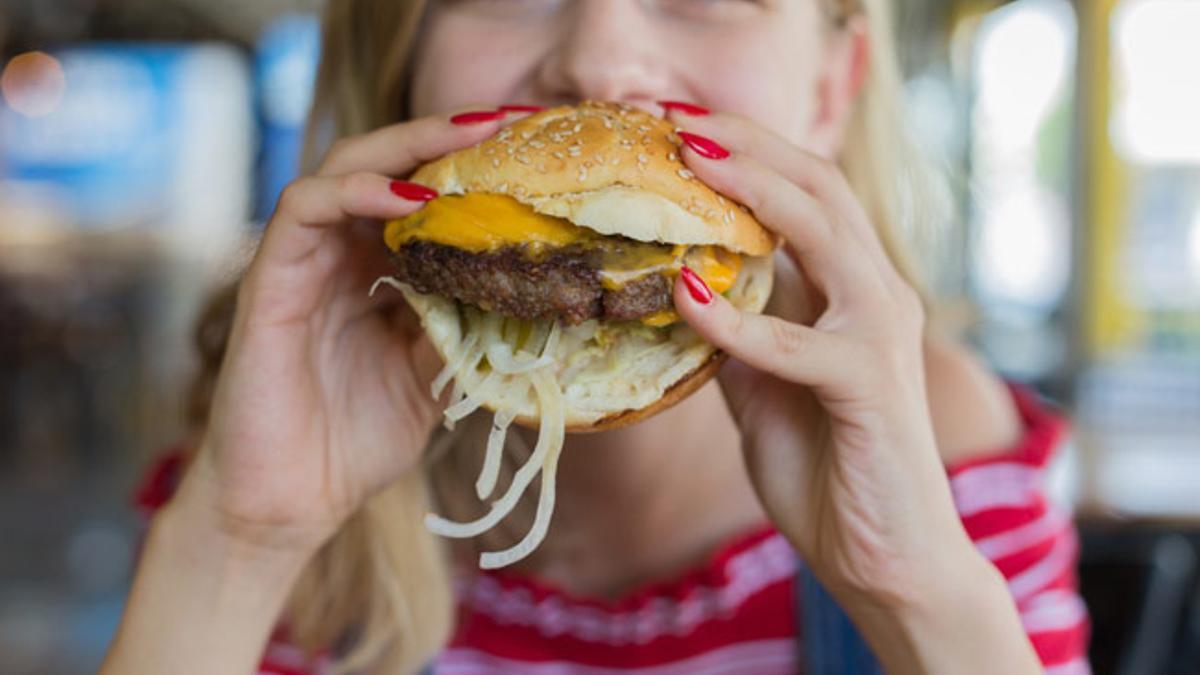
498, 254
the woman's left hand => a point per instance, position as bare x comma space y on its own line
829, 392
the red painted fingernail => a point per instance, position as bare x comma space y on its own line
705, 147
685, 108
520, 108
477, 117
411, 191
700, 291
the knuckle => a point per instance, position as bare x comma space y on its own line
291, 196
820, 166
355, 183
785, 338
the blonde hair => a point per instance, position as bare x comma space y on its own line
379, 593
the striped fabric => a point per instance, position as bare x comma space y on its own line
750, 608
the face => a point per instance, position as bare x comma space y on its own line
778, 62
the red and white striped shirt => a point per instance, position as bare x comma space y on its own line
735, 613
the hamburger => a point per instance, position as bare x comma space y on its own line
543, 275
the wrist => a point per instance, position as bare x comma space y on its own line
964, 620
195, 523
202, 601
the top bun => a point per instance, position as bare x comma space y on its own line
609, 167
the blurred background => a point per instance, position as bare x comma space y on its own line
142, 143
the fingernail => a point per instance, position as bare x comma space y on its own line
477, 117
520, 108
685, 108
705, 147
411, 191
700, 291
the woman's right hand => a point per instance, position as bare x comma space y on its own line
323, 397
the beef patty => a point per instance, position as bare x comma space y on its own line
563, 283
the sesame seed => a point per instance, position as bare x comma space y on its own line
587, 164
672, 157
642, 159
489, 151
600, 158
574, 150
608, 123
644, 128
645, 140
578, 127
559, 155
524, 159
496, 162
536, 144
503, 187
616, 161
673, 139
527, 134
686, 174
519, 191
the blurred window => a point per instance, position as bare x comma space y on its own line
1022, 80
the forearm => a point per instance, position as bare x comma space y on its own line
967, 623
202, 602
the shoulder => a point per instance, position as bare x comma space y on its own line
974, 412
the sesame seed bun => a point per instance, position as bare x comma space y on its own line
608, 167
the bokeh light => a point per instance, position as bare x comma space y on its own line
33, 84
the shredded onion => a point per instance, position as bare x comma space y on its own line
474, 399
503, 506
510, 367
552, 338
553, 418
495, 452
506, 361
384, 281
466, 352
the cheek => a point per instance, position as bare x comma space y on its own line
460, 64
771, 81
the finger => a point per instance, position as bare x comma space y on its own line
398, 149
310, 206
817, 175
833, 261
297, 254
786, 350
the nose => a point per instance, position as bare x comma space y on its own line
606, 51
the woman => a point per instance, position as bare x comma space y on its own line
298, 519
